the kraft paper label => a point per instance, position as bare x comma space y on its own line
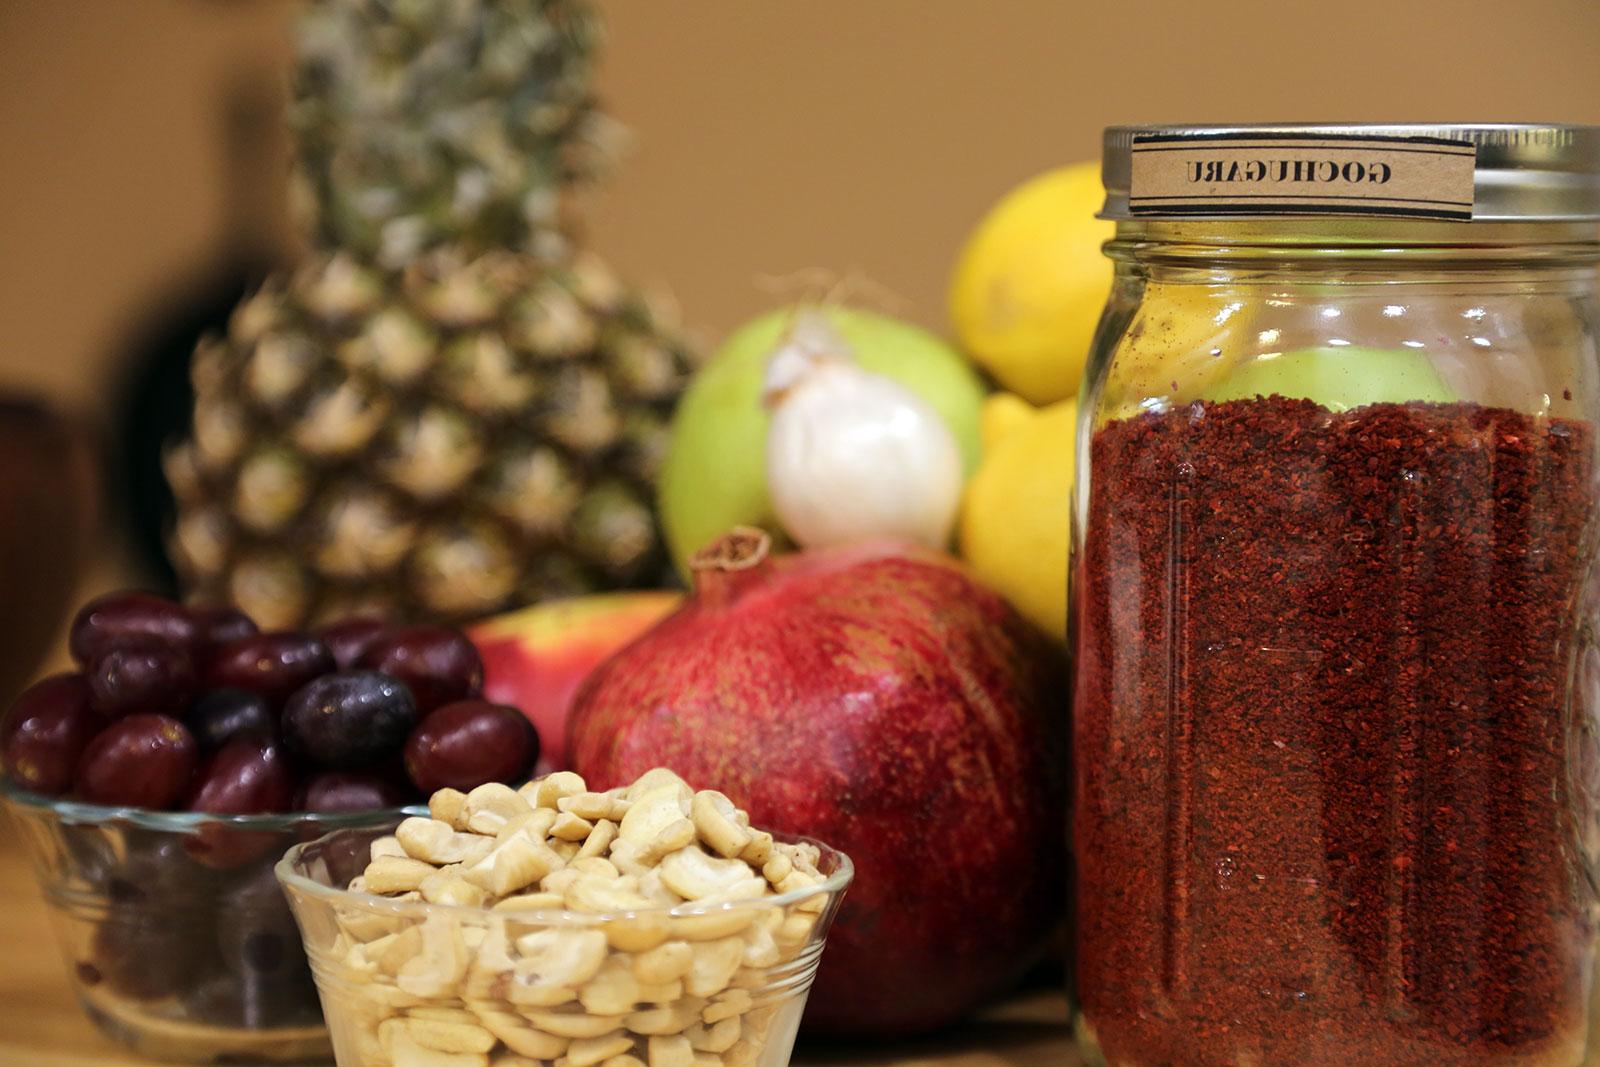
1315, 174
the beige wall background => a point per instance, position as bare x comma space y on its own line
855, 135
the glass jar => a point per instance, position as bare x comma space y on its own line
1335, 602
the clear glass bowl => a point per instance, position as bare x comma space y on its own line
175, 933
407, 982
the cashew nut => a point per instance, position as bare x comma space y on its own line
570, 827
560, 958
717, 1037
395, 874
446, 886
490, 806
671, 1051
405, 1051
637, 933
777, 868
759, 850
761, 949
715, 819
653, 889
387, 845
623, 1061
559, 881
594, 806
795, 930
693, 874
448, 1035
395, 951
660, 992
513, 864
544, 792
665, 963
713, 966
597, 894
629, 858
535, 822
516, 1034
613, 991
449, 806
652, 813
532, 902
712, 925
599, 840
596, 865
438, 969
574, 1024
588, 1051
439, 843
672, 1018
653, 779
728, 1004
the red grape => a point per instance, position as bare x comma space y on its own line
465, 744
349, 639
140, 674
44, 734
274, 664
109, 620
349, 720
246, 776
142, 761
224, 714
220, 625
437, 663
350, 791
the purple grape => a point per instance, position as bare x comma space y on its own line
107, 621
337, 791
224, 714
465, 744
273, 665
219, 626
349, 639
350, 720
44, 734
437, 663
141, 674
142, 761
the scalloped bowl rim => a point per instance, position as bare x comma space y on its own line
832, 885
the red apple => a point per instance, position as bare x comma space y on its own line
877, 698
536, 658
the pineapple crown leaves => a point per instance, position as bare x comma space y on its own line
429, 122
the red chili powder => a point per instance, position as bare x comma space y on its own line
1328, 731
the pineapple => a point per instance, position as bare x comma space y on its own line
448, 408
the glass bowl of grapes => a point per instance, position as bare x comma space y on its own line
155, 787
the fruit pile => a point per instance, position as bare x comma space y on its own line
196, 709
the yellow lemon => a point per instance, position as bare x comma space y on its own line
1015, 515
1031, 282
1182, 341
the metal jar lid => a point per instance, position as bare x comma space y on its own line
1498, 171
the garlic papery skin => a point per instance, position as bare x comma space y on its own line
853, 455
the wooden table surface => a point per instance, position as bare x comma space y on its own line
41, 1025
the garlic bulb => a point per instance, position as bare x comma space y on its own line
852, 455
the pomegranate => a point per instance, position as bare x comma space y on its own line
878, 698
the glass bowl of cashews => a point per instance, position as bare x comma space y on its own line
644, 926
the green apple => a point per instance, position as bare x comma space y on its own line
1337, 378
714, 476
